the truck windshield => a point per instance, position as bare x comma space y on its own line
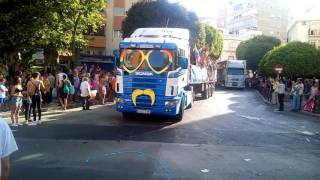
235, 71
157, 60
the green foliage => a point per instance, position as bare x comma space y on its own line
202, 35
160, 13
18, 24
57, 24
254, 49
66, 21
214, 40
298, 59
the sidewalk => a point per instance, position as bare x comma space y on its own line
287, 106
52, 108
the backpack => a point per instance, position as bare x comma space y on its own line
66, 87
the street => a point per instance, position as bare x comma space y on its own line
232, 135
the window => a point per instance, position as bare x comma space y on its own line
117, 34
235, 71
311, 32
119, 11
237, 7
181, 53
313, 43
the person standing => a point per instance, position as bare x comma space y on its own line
301, 90
276, 91
16, 100
76, 81
85, 92
8, 146
59, 85
52, 85
281, 94
26, 101
34, 87
46, 90
297, 91
65, 91
102, 88
3, 92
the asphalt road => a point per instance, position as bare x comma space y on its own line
230, 136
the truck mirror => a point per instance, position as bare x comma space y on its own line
183, 62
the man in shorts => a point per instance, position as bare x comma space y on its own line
7, 147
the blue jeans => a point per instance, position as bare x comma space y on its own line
296, 102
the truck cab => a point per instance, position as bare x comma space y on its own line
232, 73
153, 74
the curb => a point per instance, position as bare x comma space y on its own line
300, 112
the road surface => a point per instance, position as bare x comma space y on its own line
233, 135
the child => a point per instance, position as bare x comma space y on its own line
3, 92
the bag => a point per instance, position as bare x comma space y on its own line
72, 90
309, 105
66, 88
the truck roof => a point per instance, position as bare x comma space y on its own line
159, 35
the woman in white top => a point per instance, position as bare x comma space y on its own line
314, 90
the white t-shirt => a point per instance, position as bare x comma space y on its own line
7, 142
282, 88
3, 90
84, 89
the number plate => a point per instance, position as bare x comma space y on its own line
143, 111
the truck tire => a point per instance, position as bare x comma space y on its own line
192, 101
205, 94
179, 117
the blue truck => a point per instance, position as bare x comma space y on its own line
156, 75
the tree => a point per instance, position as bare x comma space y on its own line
55, 25
18, 24
66, 22
254, 49
214, 40
298, 59
160, 13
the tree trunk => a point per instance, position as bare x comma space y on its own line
75, 58
51, 57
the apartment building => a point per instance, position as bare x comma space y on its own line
230, 44
106, 40
305, 31
248, 18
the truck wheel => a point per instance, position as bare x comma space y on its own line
191, 103
205, 94
179, 117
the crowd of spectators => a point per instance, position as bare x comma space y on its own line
303, 93
29, 92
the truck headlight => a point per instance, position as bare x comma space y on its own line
171, 103
120, 100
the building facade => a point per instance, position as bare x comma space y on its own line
230, 44
305, 31
106, 40
248, 18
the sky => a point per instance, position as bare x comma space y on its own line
209, 8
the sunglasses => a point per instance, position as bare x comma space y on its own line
133, 60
